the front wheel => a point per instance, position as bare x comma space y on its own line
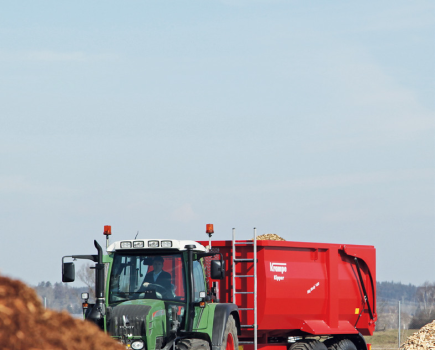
192, 344
230, 340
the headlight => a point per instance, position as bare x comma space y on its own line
166, 244
137, 345
153, 244
125, 244
138, 244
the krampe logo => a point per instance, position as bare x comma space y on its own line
278, 267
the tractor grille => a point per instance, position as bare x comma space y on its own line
136, 316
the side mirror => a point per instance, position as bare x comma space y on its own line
217, 269
68, 272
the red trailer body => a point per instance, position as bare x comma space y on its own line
303, 288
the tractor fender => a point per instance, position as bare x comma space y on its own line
221, 313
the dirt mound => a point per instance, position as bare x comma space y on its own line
25, 324
422, 340
270, 237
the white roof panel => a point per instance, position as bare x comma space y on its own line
176, 244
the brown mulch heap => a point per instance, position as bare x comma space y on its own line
424, 339
270, 237
26, 325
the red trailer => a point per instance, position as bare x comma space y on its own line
299, 291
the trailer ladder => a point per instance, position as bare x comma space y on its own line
254, 276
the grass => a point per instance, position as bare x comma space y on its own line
388, 339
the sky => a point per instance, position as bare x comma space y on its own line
311, 120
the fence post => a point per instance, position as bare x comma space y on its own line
399, 327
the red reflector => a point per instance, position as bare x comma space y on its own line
369, 346
209, 228
107, 230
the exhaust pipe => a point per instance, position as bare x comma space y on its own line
98, 312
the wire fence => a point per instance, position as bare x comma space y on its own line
388, 313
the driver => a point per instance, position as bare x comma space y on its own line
158, 276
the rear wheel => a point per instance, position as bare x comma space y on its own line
343, 344
193, 344
230, 340
308, 345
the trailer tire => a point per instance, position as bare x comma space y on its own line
193, 344
308, 345
230, 340
343, 344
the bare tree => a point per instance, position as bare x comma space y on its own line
426, 297
87, 275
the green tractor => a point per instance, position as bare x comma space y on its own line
156, 296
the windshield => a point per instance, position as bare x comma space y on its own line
147, 277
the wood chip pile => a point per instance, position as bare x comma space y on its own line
25, 324
424, 339
270, 237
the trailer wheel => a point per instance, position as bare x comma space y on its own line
308, 345
193, 344
343, 344
230, 340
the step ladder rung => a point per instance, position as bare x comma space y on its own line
244, 254
243, 260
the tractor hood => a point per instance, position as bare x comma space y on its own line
135, 317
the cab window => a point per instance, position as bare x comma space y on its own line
198, 280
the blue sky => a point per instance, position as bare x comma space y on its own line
312, 121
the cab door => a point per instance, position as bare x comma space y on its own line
200, 321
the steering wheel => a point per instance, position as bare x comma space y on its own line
157, 288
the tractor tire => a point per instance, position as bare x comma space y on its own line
230, 340
343, 344
308, 345
193, 344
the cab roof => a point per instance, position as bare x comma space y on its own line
147, 244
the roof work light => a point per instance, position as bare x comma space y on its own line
107, 232
209, 230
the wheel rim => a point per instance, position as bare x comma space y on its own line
230, 342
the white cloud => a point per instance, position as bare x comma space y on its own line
333, 181
347, 215
56, 56
53, 56
404, 16
21, 185
344, 180
184, 214
370, 104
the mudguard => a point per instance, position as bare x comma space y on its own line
358, 340
221, 314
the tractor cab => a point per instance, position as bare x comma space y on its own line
155, 290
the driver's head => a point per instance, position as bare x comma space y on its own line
158, 264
